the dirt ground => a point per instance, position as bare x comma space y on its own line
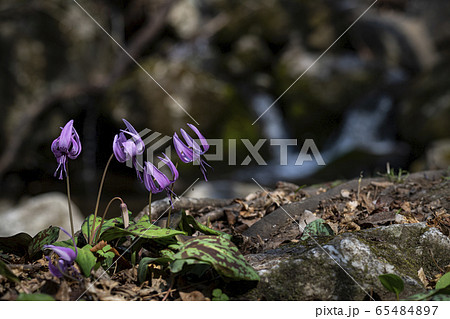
345, 206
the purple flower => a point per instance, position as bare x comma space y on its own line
128, 149
155, 181
192, 152
66, 259
67, 145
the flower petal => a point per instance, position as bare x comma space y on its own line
172, 167
65, 253
140, 146
184, 152
202, 139
118, 150
65, 140
152, 175
53, 269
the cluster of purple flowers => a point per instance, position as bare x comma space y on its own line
68, 145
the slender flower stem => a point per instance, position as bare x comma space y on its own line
150, 205
98, 196
170, 210
104, 215
170, 200
68, 198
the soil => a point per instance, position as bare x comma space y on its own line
263, 220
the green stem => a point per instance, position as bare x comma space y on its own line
104, 215
98, 197
68, 199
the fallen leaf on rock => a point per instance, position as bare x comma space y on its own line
423, 278
306, 218
351, 205
345, 193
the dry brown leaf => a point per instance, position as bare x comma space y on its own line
423, 278
192, 296
345, 193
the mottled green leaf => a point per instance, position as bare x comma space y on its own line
189, 225
219, 252
392, 282
318, 227
44, 237
440, 297
7, 273
34, 297
17, 244
142, 229
443, 282
435, 294
86, 227
86, 260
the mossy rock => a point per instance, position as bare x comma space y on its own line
347, 266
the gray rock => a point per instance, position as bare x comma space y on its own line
346, 267
37, 213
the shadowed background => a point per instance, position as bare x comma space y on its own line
380, 94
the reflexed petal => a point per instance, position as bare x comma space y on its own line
172, 167
140, 146
65, 140
65, 253
76, 145
202, 139
152, 175
184, 152
118, 150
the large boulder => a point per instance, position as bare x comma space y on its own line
38, 213
347, 266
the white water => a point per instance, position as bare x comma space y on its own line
360, 130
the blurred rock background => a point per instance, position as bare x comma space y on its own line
380, 94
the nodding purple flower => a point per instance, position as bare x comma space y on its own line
67, 145
66, 259
127, 149
155, 181
192, 152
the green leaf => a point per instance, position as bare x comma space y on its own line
189, 225
218, 295
17, 244
86, 227
318, 227
7, 273
220, 253
86, 260
441, 297
443, 282
392, 282
142, 229
34, 297
44, 237
434, 294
